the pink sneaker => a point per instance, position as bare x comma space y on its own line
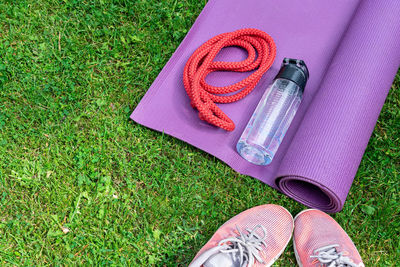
318, 240
255, 237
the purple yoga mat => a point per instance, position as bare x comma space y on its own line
352, 49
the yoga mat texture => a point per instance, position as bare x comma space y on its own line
352, 49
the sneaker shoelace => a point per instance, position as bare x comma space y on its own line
247, 245
330, 257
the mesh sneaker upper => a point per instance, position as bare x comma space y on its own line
276, 220
315, 229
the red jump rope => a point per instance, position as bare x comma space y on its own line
261, 54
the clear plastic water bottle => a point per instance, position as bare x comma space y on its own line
274, 113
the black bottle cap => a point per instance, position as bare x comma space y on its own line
294, 70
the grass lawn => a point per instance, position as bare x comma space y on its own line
80, 183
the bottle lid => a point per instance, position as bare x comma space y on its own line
294, 70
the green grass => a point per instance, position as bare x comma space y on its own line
71, 72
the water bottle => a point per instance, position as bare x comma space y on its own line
274, 113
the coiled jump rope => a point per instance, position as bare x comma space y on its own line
261, 51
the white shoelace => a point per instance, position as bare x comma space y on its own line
330, 257
248, 246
